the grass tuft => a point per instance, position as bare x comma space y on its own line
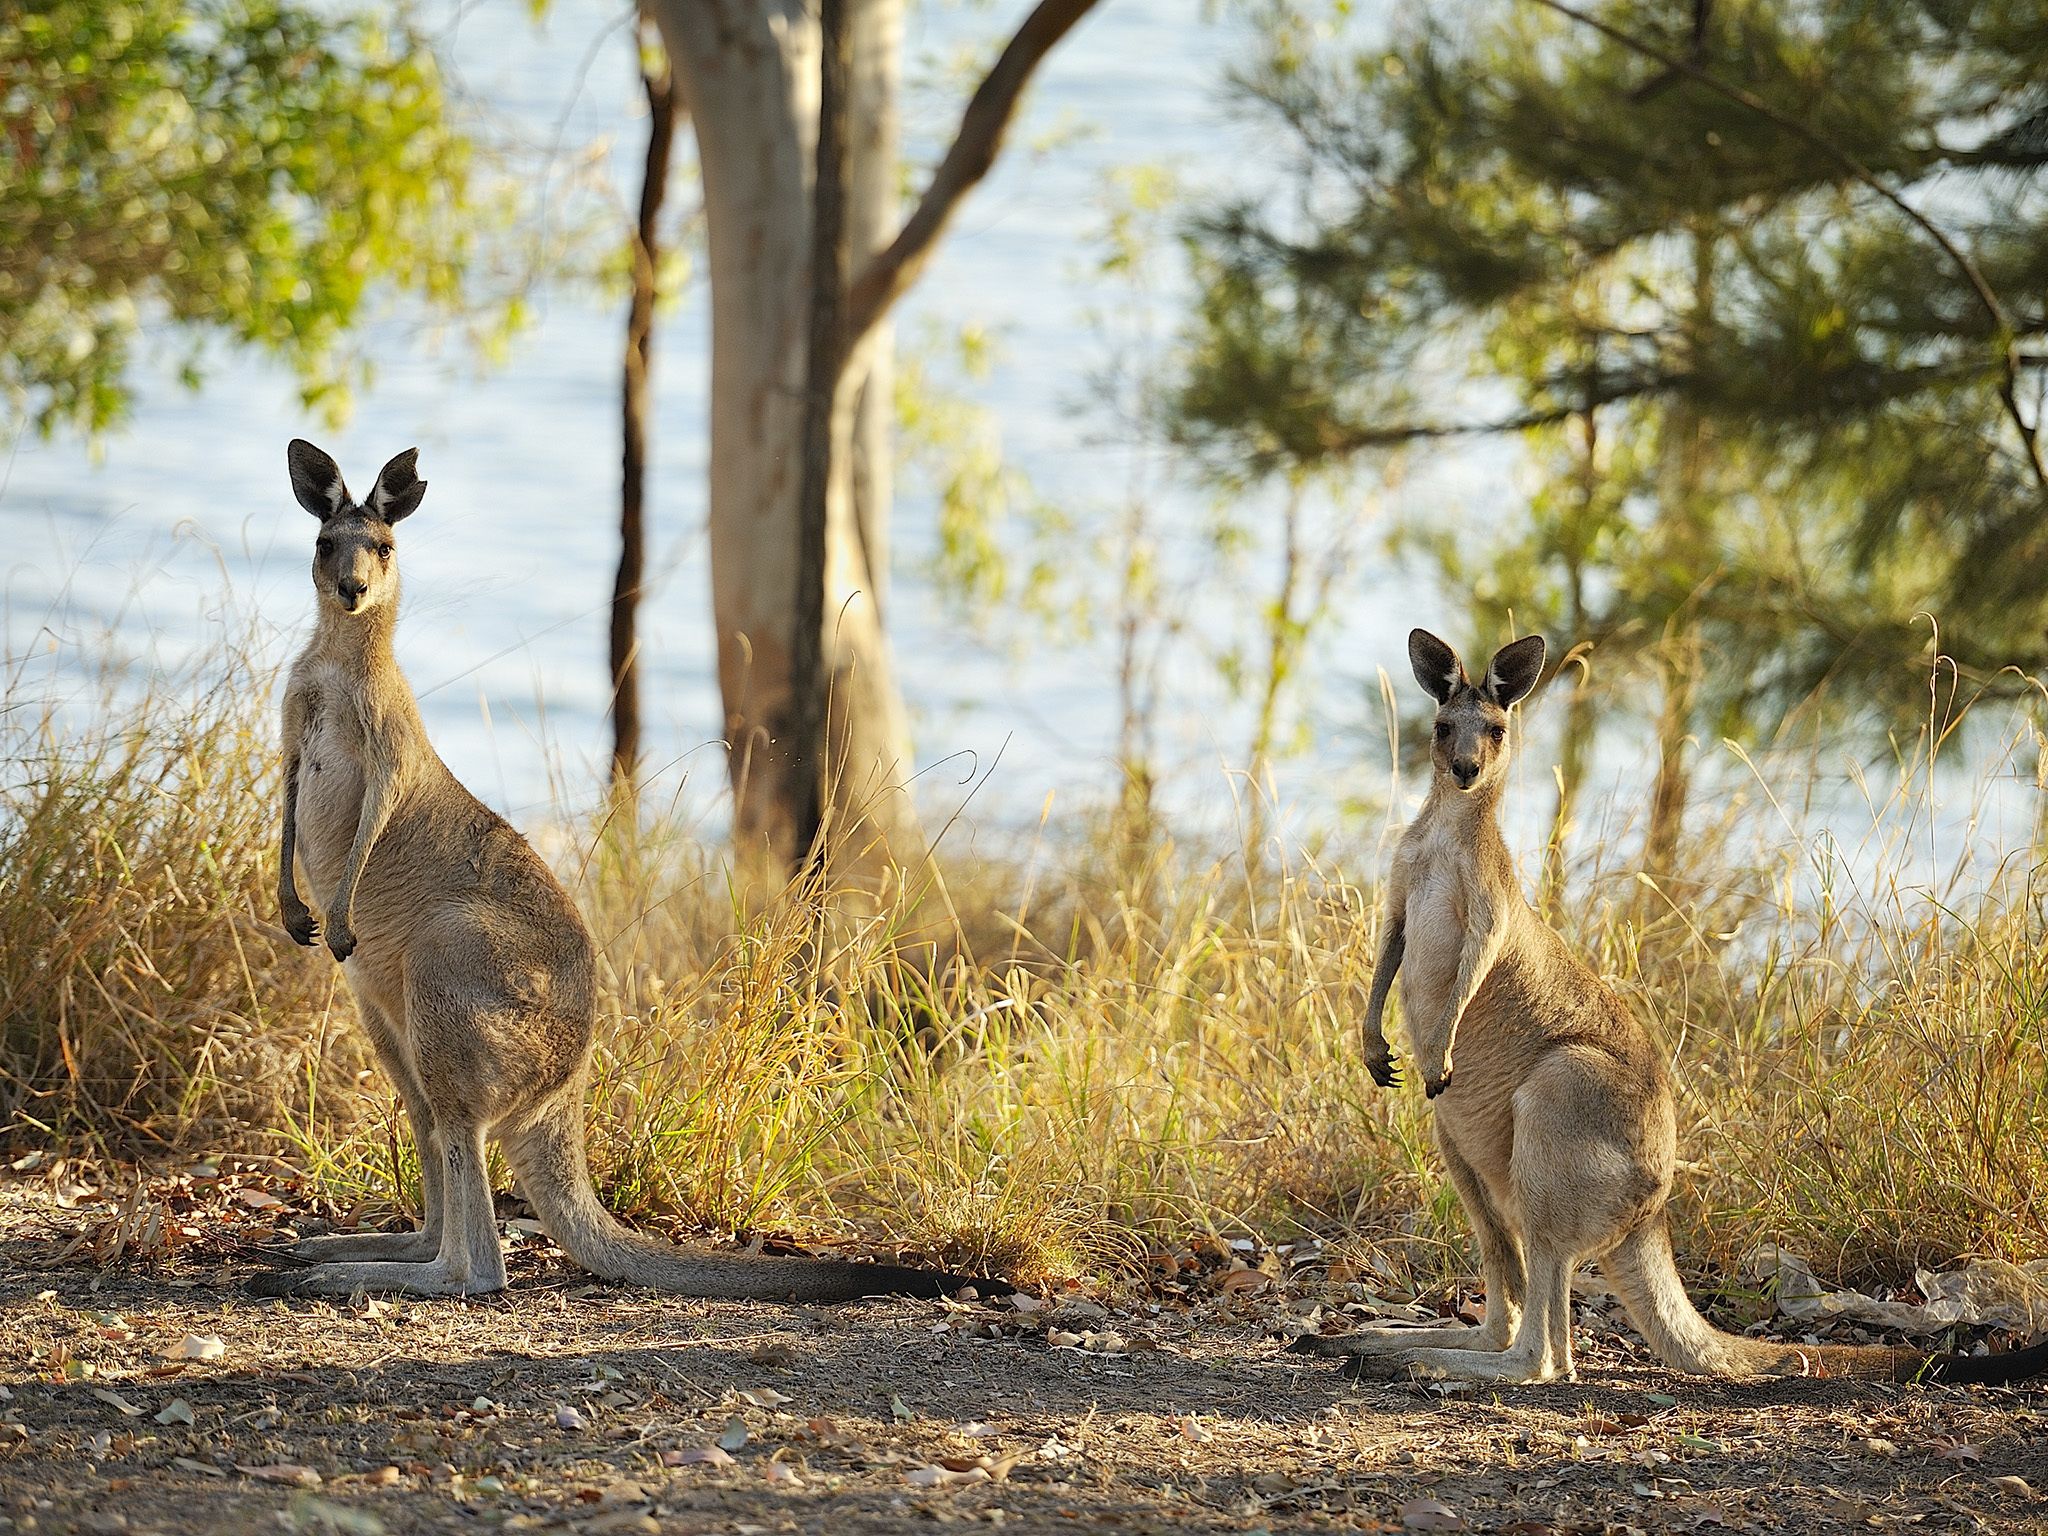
1092, 1060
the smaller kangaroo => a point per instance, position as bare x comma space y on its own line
471, 968
1558, 1129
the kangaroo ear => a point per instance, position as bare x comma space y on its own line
398, 489
1436, 665
316, 479
1514, 670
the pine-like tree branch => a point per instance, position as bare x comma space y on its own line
2001, 322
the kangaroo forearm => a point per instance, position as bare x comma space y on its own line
1384, 971
1473, 964
376, 812
288, 848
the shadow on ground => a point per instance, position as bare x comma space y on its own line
552, 1407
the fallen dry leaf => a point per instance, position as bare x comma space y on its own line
1431, 1515
697, 1455
176, 1411
765, 1397
284, 1472
115, 1400
311, 1512
196, 1347
945, 1477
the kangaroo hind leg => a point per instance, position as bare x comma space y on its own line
422, 1244
1501, 1262
1539, 1351
448, 1039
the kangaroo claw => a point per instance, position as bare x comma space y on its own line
1385, 1070
1432, 1086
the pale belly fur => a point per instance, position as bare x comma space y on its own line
1434, 935
330, 801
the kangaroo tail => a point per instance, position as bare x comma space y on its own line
1646, 1276
1991, 1370
554, 1174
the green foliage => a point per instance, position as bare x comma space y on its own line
955, 447
1806, 423
244, 168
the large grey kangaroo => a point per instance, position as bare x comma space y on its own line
1556, 1120
470, 965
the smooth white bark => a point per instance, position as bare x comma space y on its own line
749, 70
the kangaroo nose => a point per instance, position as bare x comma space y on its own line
351, 589
1465, 770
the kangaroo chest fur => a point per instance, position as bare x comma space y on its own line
1438, 907
330, 777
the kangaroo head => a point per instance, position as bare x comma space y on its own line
1471, 746
353, 567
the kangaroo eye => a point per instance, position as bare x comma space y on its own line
1443, 730
383, 551
324, 548
1498, 732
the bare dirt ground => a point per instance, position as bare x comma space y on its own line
562, 1405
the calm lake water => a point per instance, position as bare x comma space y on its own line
182, 523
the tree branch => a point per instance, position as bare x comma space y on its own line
2009, 387
974, 150
1597, 391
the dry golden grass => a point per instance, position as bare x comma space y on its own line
1158, 1047
147, 994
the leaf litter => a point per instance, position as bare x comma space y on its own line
1079, 1422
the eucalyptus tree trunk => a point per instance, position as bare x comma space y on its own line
750, 72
